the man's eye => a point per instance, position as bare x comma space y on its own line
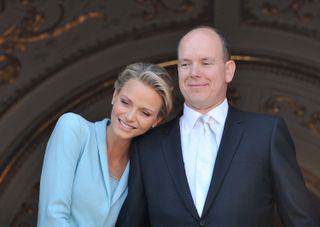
184, 64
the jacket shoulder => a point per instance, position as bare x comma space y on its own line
253, 116
73, 123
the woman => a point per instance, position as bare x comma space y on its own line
85, 170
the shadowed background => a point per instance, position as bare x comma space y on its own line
58, 56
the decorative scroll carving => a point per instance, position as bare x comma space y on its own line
303, 10
18, 36
274, 105
298, 16
314, 122
147, 15
27, 215
312, 181
109, 31
9, 68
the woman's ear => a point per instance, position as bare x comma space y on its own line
159, 119
115, 93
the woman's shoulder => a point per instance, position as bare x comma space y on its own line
72, 118
73, 122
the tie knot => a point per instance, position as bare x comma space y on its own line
205, 119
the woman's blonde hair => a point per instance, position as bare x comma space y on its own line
154, 76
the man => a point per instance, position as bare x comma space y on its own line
177, 180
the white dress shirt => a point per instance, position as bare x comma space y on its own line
189, 131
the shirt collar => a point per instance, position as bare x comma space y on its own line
189, 117
219, 113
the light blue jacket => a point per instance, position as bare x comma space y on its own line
75, 189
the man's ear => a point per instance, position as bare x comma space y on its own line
230, 67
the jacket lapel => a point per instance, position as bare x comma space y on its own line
173, 155
230, 141
100, 131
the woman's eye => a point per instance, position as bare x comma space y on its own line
146, 114
123, 101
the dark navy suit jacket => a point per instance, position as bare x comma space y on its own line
255, 169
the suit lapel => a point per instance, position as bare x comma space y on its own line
173, 155
231, 138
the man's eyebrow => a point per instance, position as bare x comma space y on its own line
208, 58
184, 60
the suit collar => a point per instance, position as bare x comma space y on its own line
101, 138
230, 141
171, 147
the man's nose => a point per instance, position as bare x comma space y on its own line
194, 70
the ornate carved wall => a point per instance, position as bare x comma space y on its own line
58, 56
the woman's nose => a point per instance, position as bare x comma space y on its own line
131, 114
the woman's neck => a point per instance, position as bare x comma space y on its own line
117, 153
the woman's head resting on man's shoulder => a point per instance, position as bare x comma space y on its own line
141, 100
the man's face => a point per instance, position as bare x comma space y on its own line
203, 72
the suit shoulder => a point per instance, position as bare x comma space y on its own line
257, 121
253, 116
160, 130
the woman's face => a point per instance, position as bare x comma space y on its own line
135, 109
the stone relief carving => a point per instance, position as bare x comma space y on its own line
10, 67
120, 23
29, 30
309, 120
277, 103
296, 16
313, 122
27, 215
312, 181
183, 6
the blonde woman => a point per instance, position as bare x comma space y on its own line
86, 165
